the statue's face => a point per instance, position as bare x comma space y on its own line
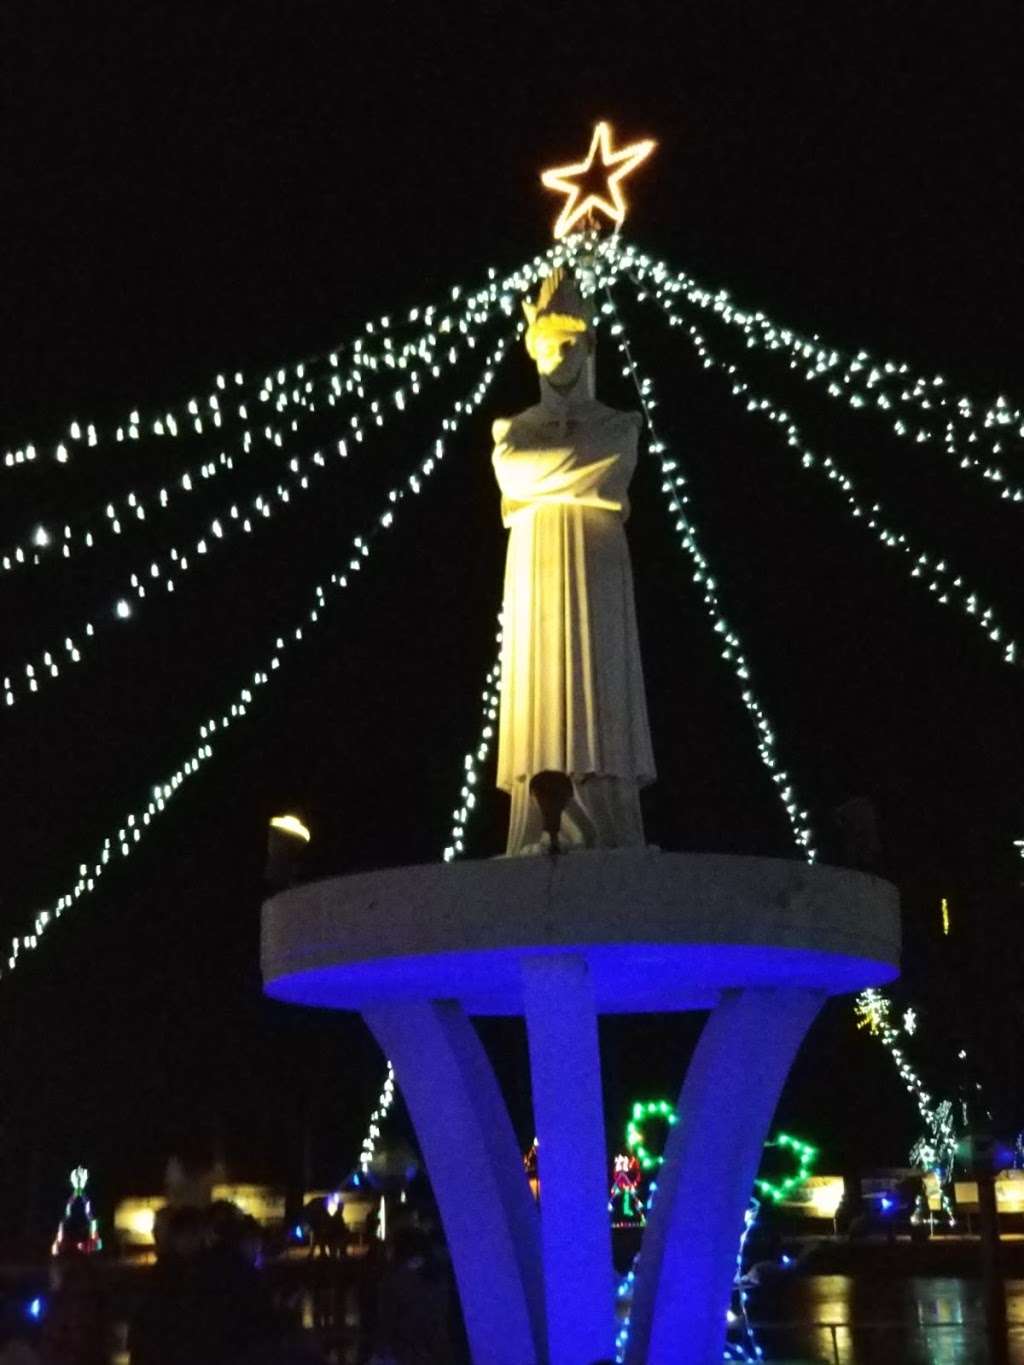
560, 357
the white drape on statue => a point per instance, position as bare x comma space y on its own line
572, 695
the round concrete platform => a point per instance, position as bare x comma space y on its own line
659, 931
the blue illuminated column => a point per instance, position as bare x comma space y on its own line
490, 1219
419, 950
565, 1076
684, 1279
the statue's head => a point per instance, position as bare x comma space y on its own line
560, 334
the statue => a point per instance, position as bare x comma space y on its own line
572, 690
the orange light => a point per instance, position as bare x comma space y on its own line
612, 202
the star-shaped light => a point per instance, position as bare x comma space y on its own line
582, 201
910, 1022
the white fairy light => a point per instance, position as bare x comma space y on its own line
932, 571
136, 823
674, 486
335, 386
475, 758
863, 382
384, 1102
301, 471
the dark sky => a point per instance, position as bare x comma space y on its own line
186, 189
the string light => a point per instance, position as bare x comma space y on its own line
385, 1100
187, 417
674, 486
163, 575
473, 761
933, 572
443, 342
873, 1009
135, 825
863, 382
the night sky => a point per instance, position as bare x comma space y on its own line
189, 189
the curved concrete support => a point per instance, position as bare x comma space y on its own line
490, 1219
732, 1087
568, 1110
758, 941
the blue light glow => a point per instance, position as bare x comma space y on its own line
35, 1309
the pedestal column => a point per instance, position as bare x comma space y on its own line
565, 1074
468, 1144
688, 1260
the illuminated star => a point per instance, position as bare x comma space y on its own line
576, 182
910, 1022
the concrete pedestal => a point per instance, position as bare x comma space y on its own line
758, 942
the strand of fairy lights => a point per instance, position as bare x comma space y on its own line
862, 381
25, 679
872, 1008
167, 572
427, 348
384, 1102
136, 823
187, 416
474, 760
674, 486
933, 571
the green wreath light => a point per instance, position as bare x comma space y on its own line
805, 1155
642, 1112
645, 1110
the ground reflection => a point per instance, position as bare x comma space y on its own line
847, 1320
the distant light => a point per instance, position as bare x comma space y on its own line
123, 609
787, 1260
945, 917
886, 1203
41, 537
291, 824
35, 1309
297, 1232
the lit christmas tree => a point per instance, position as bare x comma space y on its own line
78, 1231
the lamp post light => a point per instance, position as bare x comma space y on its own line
287, 840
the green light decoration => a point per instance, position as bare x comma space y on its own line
806, 1156
644, 1110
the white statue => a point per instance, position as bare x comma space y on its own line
572, 692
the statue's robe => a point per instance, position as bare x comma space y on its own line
572, 690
